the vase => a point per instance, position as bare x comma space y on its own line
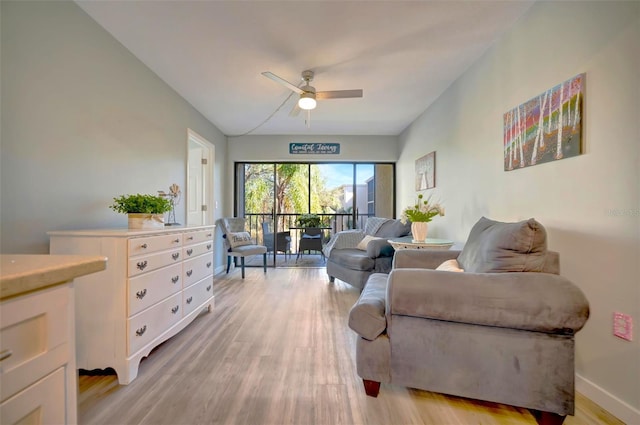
146, 221
419, 231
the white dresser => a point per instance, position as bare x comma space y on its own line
156, 283
37, 351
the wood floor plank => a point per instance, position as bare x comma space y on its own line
276, 349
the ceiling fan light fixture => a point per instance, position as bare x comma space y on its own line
307, 101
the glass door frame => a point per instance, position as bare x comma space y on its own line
356, 217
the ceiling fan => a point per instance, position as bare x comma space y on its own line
308, 93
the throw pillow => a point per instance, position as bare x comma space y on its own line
495, 247
362, 245
450, 266
239, 239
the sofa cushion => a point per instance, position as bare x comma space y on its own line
239, 239
450, 266
496, 247
367, 316
362, 245
352, 258
393, 229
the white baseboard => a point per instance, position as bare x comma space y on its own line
220, 269
618, 408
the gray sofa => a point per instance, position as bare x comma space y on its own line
353, 265
502, 331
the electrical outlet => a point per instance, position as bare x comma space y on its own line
623, 326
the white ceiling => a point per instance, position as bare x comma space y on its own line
403, 54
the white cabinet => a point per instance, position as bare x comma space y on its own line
157, 282
38, 382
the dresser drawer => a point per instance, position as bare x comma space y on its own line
193, 251
196, 269
149, 288
147, 263
195, 295
35, 330
149, 244
41, 403
147, 325
198, 236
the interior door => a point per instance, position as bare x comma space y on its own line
195, 185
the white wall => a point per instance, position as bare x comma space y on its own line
276, 148
574, 197
83, 121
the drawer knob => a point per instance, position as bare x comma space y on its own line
189, 251
176, 241
209, 264
175, 279
208, 288
190, 238
175, 309
189, 300
141, 264
141, 294
175, 255
208, 246
5, 354
143, 246
141, 331
189, 272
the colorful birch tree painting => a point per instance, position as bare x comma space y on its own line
545, 128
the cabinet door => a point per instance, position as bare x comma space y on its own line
41, 403
35, 329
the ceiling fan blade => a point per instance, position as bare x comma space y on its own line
295, 111
282, 81
338, 94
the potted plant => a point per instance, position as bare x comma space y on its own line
144, 211
309, 220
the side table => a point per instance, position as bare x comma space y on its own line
407, 242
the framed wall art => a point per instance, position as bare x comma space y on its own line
545, 128
426, 172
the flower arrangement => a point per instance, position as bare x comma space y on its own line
423, 211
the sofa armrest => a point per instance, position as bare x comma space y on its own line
541, 302
367, 317
422, 258
379, 247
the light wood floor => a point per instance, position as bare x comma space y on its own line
276, 349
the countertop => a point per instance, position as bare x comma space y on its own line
20, 274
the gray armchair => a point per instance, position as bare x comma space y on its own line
502, 331
352, 264
278, 242
239, 243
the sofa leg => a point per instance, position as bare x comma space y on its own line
547, 418
372, 388
332, 279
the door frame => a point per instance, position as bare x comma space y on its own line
208, 199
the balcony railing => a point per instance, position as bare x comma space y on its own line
288, 222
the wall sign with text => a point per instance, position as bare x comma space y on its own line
314, 148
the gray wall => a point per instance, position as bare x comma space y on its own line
276, 148
83, 121
589, 204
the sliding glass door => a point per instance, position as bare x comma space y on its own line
273, 195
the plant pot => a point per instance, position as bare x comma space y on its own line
419, 231
146, 221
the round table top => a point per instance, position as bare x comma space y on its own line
408, 242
